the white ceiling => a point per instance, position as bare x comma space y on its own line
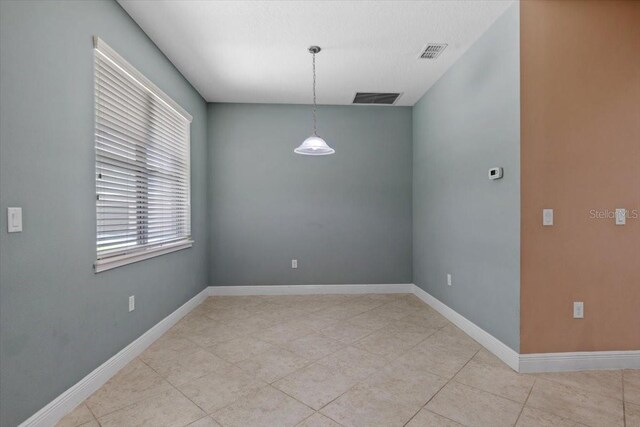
256, 51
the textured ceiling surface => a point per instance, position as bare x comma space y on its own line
256, 51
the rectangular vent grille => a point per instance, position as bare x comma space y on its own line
375, 98
433, 50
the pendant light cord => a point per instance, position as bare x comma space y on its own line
314, 95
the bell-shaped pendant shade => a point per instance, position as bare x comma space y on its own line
314, 146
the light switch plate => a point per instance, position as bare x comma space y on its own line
547, 217
14, 220
294, 263
132, 303
621, 216
449, 279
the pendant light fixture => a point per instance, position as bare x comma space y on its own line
314, 145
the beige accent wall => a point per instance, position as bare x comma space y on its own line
580, 115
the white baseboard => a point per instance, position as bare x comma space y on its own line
67, 401
488, 341
540, 362
579, 361
393, 288
543, 362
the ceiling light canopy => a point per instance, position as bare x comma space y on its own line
314, 145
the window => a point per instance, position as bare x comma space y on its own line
143, 206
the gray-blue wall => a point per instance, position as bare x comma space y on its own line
345, 217
59, 319
464, 224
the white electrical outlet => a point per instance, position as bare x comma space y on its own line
547, 217
448, 279
578, 310
621, 216
132, 303
294, 263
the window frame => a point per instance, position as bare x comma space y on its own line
141, 253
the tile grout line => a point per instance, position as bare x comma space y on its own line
282, 347
320, 330
526, 400
388, 362
435, 413
491, 392
327, 367
338, 397
315, 410
561, 415
440, 389
266, 384
210, 414
314, 413
434, 331
91, 412
292, 397
346, 319
325, 415
130, 404
576, 388
179, 391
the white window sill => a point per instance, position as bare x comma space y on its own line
120, 260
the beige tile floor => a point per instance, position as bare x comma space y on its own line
342, 360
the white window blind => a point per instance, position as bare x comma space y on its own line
143, 206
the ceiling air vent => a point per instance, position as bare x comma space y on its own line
433, 50
375, 98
